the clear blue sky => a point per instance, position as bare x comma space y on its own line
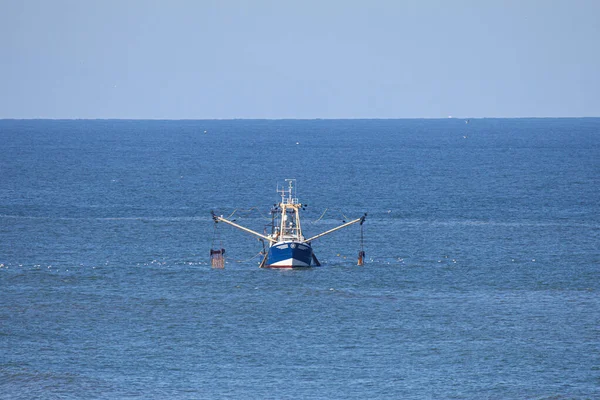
299, 59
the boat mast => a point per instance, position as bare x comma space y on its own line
289, 228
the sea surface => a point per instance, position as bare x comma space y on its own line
482, 277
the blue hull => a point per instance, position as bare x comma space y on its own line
290, 255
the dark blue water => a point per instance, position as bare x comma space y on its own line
482, 277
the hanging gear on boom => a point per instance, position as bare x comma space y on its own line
361, 253
217, 255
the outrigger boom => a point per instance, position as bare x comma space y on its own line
361, 220
287, 246
216, 218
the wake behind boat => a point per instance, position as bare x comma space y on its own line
288, 248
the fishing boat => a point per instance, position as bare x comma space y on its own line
287, 246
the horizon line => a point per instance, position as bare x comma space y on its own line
282, 119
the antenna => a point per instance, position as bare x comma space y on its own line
290, 191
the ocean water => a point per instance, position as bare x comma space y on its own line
482, 277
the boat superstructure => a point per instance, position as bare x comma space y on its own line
287, 246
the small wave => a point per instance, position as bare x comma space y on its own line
472, 222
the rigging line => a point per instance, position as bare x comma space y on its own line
250, 259
240, 210
216, 237
248, 211
321, 217
333, 209
362, 238
231, 215
343, 215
